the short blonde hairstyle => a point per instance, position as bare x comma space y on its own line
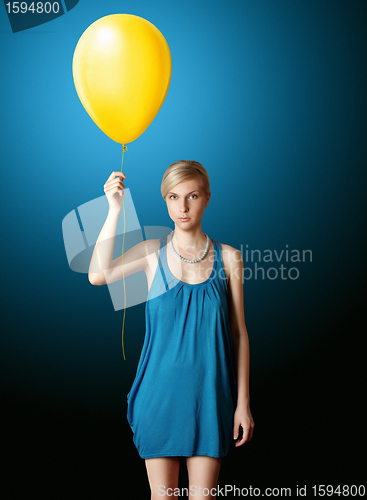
181, 171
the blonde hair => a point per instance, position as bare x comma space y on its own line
181, 171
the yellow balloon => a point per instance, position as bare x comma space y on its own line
122, 71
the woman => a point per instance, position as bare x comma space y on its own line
190, 395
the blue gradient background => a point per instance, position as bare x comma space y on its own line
271, 98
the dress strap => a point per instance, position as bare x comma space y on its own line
162, 259
218, 255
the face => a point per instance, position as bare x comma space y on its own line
187, 199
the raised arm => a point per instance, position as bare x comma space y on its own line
102, 268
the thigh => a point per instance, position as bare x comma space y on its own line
162, 474
203, 473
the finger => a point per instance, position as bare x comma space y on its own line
246, 435
236, 431
114, 173
113, 190
242, 441
114, 182
116, 179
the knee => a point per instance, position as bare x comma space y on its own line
161, 492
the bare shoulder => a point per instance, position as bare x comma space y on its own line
152, 246
231, 259
230, 254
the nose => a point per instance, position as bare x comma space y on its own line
183, 207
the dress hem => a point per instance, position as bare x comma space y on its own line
183, 455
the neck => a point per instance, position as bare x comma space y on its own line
185, 240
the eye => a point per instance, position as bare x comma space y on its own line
174, 196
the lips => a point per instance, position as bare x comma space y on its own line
184, 218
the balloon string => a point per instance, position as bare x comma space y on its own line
124, 148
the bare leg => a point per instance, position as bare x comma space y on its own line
162, 474
203, 473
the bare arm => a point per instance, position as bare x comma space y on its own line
102, 268
241, 350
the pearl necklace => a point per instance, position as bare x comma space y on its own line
188, 260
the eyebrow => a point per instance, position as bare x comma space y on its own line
196, 191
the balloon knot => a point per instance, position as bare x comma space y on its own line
124, 147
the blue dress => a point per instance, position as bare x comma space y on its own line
183, 398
